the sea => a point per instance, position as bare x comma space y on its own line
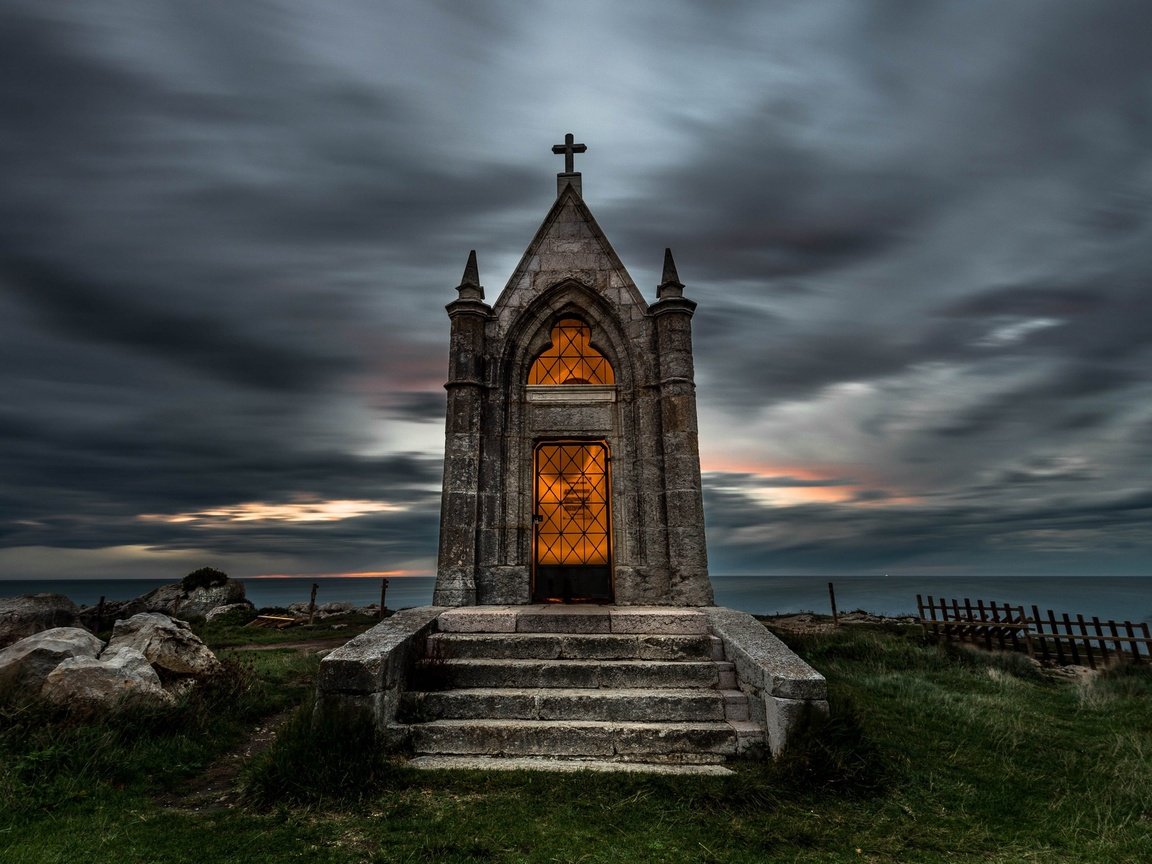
1119, 598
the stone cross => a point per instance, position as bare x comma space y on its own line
568, 149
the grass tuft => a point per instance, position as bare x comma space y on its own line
323, 757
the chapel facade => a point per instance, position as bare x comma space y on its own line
571, 460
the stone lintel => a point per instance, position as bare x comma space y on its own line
570, 393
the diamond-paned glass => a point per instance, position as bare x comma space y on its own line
572, 504
571, 359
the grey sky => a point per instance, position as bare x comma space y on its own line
919, 234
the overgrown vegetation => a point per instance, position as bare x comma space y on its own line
930, 754
328, 757
205, 577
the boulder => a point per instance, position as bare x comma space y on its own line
124, 679
132, 660
169, 644
28, 662
174, 600
221, 611
31, 613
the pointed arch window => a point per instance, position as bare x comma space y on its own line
571, 359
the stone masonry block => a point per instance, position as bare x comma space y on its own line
375, 660
488, 619
762, 660
782, 715
658, 621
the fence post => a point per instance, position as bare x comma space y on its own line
1101, 643
832, 597
383, 594
1027, 632
312, 603
1132, 642
1040, 632
1087, 641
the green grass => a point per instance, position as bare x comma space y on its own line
229, 631
931, 754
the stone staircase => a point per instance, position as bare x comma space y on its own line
580, 687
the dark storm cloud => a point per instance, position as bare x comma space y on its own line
949, 534
919, 234
78, 308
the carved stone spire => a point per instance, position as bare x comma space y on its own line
470, 287
670, 284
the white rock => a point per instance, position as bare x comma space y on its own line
88, 682
28, 662
220, 611
168, 643
132, 660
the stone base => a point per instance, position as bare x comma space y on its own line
654, 685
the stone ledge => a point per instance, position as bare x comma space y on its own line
369, 662
762, 660
779, 684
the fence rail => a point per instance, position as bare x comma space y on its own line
1061, 638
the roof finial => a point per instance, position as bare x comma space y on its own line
670, 284
470, 287
568, 149
570, 179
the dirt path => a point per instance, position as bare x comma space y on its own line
215, 788
303, 645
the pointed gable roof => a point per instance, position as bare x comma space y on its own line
569, 246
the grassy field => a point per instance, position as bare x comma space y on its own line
932, 754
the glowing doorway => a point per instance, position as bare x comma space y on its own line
573, 523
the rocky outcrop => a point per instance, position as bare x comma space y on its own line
28, 662
169, 644
197, 603
31, 613
221, 611
121, 677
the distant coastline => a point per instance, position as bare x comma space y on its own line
1117, 597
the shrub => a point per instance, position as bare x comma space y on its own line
322, 756
205, 577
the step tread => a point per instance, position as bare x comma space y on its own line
588, 693
521, 661
571, 764
624, 725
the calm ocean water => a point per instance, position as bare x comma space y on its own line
1116, 597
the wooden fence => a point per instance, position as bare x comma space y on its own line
1063, 639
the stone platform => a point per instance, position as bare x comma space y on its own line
573, 687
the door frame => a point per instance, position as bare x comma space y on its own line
535, 517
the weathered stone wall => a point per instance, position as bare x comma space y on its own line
648, 421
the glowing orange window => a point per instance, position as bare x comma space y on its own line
571, 359
572, 504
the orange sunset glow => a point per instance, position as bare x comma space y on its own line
259, 511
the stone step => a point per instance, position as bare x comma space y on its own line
647, 674
568, 765
642, 742
574, 646
508, 703
577, 618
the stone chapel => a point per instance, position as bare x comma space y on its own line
572, 623
571, 462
